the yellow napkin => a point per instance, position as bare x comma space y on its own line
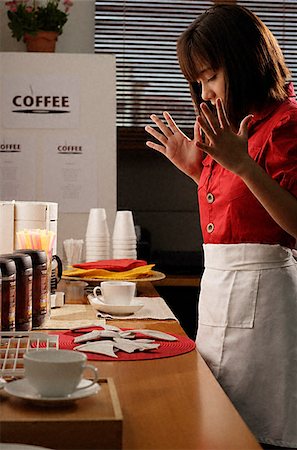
138, 272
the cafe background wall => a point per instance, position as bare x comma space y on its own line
163, 200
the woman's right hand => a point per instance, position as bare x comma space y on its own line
176, 146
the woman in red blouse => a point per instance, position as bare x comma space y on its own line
244, 159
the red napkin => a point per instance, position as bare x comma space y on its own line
115, 265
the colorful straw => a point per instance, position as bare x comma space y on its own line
37, 240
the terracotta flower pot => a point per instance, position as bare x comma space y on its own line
43, 41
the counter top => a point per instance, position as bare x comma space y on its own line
173, 403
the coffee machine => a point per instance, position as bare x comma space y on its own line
21, 215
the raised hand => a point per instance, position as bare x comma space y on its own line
228, 148
176, 146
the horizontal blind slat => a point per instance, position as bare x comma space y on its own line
143, 37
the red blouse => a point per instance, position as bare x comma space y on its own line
229, 212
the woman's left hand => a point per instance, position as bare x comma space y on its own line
228, 148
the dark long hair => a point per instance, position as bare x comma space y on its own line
233, 38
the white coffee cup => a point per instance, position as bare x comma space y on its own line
56, 373
116, 292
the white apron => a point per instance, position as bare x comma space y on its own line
247, 334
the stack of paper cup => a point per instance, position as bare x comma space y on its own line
124, 237
97, 236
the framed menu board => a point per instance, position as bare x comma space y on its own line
58, 133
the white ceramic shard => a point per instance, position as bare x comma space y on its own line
103, 348
132, 346
144, 347
156, 334
125, 345
95, 334
111, 327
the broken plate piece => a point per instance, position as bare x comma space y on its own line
125, 345
111, 327
92, 335
127, 334
102, 347
129, 346
108, 334
155, 334
81, 328
144, 347
102, 334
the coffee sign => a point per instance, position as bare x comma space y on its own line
43, 101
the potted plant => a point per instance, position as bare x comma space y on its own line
35, 20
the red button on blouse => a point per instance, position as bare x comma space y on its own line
237, 216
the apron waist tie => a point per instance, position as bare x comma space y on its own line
247, 256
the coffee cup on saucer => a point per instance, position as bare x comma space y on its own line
57, 373
115, 292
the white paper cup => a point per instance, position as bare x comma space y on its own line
56, 373
124, 252
97, 240
97, 255
125, 239
95, 250
97, 224
116, 292
98, 231
98, 213
125, 255
124, 226
101, 245
123, 246
95, 258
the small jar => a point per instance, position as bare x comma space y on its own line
8, 269
39, 286
23, 299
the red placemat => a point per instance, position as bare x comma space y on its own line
166, 349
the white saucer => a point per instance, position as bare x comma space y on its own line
118, 310
22, 389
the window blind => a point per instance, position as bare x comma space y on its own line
281, 18
143, 33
